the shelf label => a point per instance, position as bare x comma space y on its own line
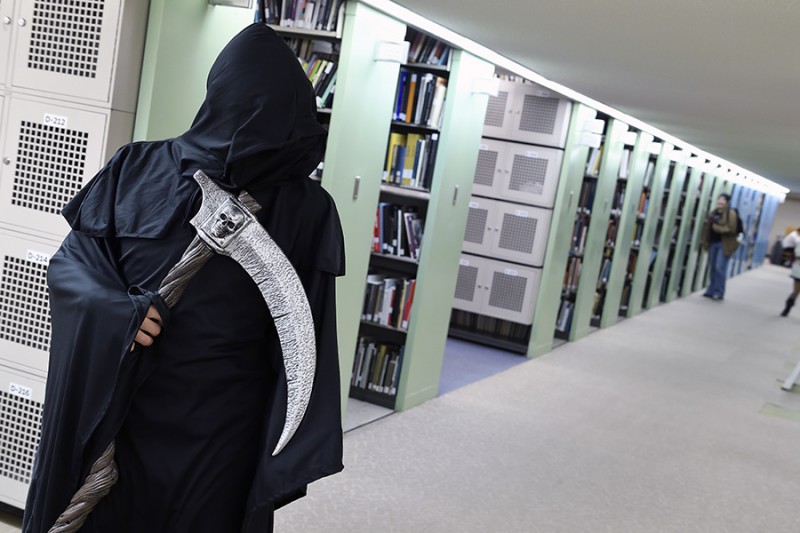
484, 147
37, 257
474, 205
523, 214
542, 93
532, 154
55, 120
21, 391
463, 262
511, 272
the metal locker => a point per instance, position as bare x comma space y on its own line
89, 51
24, 301
497, 289
539, 116
480, 219
520, 233
530, 174
6, 29
489, 170
497, 122
51, 150
469, 284
510, 291
21, 400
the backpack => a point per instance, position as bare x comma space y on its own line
739, 225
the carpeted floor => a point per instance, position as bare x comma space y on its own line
673, 421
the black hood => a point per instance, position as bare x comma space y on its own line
258, 122
257, 127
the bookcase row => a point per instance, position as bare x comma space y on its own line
551, 220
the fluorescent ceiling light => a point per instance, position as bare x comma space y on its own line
459, 41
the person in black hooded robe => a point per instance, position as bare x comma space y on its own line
196, 415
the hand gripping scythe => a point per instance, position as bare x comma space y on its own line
226, 225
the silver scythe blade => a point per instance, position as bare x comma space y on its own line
226, 226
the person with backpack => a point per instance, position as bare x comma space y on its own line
720, 239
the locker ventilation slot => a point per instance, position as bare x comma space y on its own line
496, 110
484, 172
50, 167
528, 174
467, 280
24, 307
539, 114
20, 431
518, 233
65, 37
508, 292
476, 225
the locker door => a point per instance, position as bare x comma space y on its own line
488, 171
531, 174
480, 222
469, 294
6, 28
21, 400
521, 233
68, 47
511, 291
540, 116
497, 122
24, 302
50, 151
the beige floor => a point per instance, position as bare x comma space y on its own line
673, 421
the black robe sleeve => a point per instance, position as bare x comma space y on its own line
95, 317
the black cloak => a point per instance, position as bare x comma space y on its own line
197, 415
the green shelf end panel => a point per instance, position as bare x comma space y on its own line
646, 246
573, 166
663, 241
183, 40
598, 226
625, 233
354, 158
446, 221
679, 263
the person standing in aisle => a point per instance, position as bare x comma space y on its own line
720, 239
792, 242
194, 396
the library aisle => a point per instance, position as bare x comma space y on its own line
671, 421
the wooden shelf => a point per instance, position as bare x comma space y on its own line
414, 128
488, 340
371, 396
443, 70
306, 33
407, 192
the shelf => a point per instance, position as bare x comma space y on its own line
414, 128
380, 327
377, 398
324, 111
407, 192
397, 258
287, 31
443, 70
488, 340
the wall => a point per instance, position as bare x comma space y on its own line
787, 216
184, 38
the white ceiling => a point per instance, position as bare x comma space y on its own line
722, 75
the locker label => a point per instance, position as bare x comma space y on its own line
37, 257
474, 205
523, 214
21, 391
485, 147
542, 93
463, 262
532, 154
511, 272
55, 120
